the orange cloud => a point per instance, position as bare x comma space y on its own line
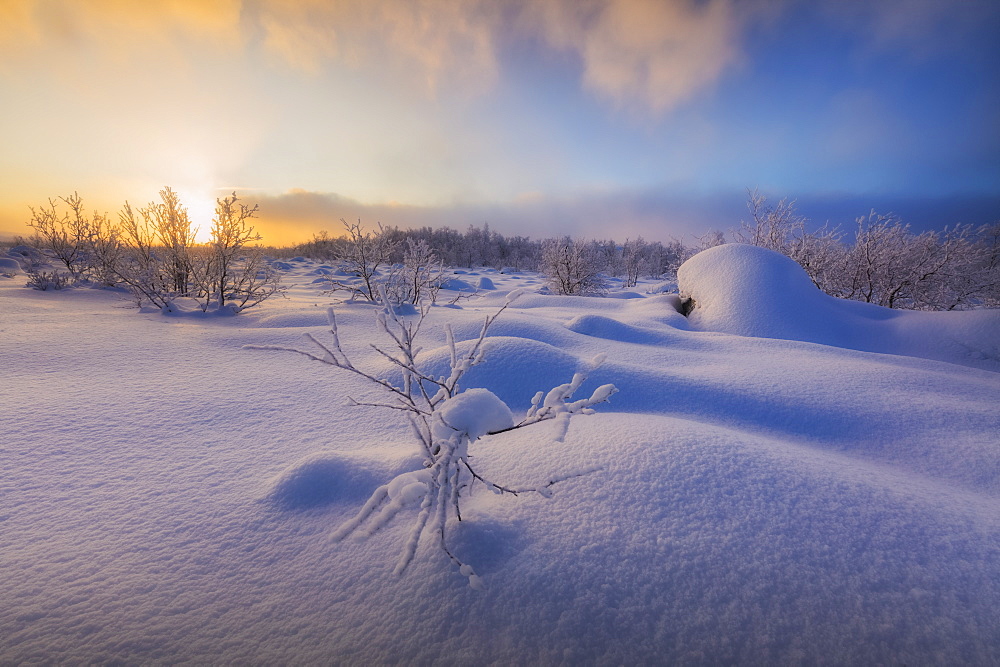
428, 41
654, 53
116, 26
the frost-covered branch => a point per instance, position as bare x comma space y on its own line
446, 420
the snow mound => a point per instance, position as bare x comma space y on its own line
514, 369
457, 285
9, 267
599, 326
475, 412
751, 291
520, 327
26, 254
486, 283
296, 319
325, 478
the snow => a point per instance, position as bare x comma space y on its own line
751, 291
9, 267
782, 478
475, 413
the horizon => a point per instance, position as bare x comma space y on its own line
596, 120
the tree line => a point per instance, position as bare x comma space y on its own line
879, 259
151, 252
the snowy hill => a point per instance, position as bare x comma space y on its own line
784, 478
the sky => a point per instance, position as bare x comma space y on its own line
595, 118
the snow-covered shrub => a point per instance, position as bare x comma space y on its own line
64, 234
419, 276
362, 255
890, 266
782, 229
230, 273
446, 421
152, 252
572, 266
48, 280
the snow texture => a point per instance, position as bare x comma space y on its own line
783, 479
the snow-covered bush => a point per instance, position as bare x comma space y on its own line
446, 421
65, 235
893, 267
232, 274
572, 266
887, 264
419, 276
152, 252
362, 255
48, 280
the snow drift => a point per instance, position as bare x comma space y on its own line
751, 291
167, 496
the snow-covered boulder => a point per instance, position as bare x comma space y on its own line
751, 291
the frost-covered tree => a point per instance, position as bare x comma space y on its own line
230, 273
140, 265
572, 266
890, 266
322, 247
782, 229
152, 252
419, 276
66, 235
974, 280
446, 421
635, 260
363, 254
176, 235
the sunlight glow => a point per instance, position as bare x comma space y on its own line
200, 205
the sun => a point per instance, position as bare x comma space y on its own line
200, 205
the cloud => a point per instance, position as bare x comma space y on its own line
117, 27
649, 54
427, 42
641, 54
653, 53
920, 27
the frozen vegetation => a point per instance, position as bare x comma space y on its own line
782, 477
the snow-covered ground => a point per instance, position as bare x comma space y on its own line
827, 494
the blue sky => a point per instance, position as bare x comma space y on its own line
600, 118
